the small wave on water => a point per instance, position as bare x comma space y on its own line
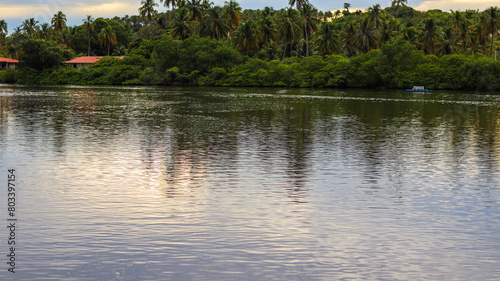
224, 184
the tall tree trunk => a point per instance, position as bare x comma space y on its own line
307, 38
88, 52
492, 41
284, 52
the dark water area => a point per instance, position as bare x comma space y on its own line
157, 183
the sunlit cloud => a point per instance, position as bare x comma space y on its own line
463, 5
18, 11
76, 10
43, 11
104, 10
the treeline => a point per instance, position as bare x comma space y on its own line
199, 43
201, 61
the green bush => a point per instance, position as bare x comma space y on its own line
366, 75
8, 75
210, 62
29, 76
39, 54
397, 59
482, 72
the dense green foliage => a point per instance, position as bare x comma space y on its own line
40, 54
197, 43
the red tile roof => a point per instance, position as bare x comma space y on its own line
87, 59
8, 60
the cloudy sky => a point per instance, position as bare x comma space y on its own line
14, 12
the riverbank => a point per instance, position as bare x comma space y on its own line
396, 65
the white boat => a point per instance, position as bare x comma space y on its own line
418, 89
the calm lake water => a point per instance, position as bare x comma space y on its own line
148, 183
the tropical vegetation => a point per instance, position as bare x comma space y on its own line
198, 43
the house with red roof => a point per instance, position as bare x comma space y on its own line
85, 61
8, 63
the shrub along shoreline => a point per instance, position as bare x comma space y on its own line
200, 61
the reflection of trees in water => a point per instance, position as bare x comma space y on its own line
297, 126
53, 114
7, 104
219, 135
389, 137
193, 134
40, 118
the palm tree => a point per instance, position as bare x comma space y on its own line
59, 22
270, 52
307, 12
374, 15
327, 39
195, 7
447, 45
309, 15
429, 36
492, 23
29, 26
107, 37
288, 30
268, 31
480, 36
181, 3
464, 33
89, 26
168, 3
44, 32
456, 18
3, 28
267, 11
347, 38
3, 32
13, 51
347, 6
232, 11
398, 3
147, 10
410, 34
366, 38
387, 29
206, 4
473, 46
246, 36
181, 27
215, 24
298, 3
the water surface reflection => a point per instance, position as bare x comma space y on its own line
253, 184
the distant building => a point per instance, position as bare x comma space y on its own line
85, 61
8, 63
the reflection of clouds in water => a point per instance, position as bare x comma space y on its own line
243, 186
185, 175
